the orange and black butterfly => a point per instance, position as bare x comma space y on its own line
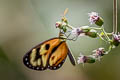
48, 54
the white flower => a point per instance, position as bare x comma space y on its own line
77, 32
93, 17
81, 59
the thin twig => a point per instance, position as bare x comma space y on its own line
114, 16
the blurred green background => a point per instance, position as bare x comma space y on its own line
25, 23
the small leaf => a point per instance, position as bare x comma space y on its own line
64, 28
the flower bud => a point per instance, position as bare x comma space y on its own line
85, 59
81, 59
77, 32
92, 33
99, 22
99, 52
58, 24
116, 39
90, 60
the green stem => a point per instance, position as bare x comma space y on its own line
95, 28
105, 34
109, 34
102, 38
69, 26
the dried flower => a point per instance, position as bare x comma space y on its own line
58, 24
77, 32
85, 59
116, 37
81, 59
98, 53
94, 18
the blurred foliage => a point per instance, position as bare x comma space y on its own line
8, 69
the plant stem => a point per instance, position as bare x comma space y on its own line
102, 38
105, 34
95, 28
109, 34
114, 16
69, 26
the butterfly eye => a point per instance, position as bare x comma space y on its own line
47, 46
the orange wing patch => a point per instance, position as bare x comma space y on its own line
58, 56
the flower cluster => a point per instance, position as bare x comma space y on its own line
112, 39
97, 54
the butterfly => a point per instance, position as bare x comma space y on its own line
50, 54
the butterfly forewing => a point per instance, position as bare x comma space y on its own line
49, 54
37, 58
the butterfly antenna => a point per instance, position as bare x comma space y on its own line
65, 12
63, 17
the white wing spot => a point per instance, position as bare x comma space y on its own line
54, 67
42, 68
26, 59
37, 68
59, 65
27, 63
33, 67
